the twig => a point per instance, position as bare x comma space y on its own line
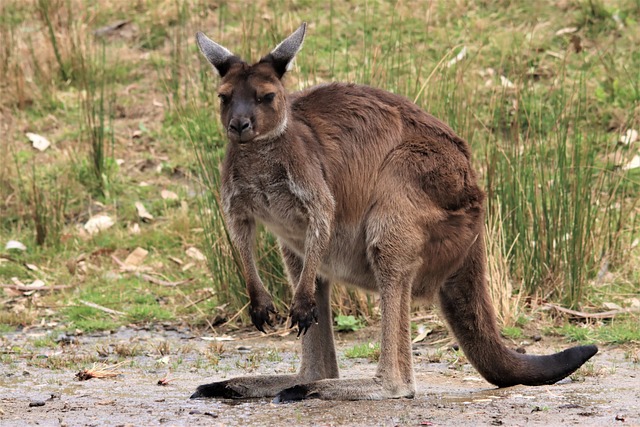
161, 282
199, 300
601, 315
105, 309
236, 315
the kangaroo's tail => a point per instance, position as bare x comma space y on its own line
466, 305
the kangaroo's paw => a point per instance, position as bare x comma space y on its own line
303, 313
261, 310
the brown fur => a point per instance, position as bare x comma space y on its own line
361, 187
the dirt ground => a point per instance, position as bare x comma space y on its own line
36, 391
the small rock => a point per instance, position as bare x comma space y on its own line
210, 414
26, 373
455, 347
521, 350
194, 412
536, 338
621, 417
35, 403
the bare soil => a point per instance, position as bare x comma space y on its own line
35, 391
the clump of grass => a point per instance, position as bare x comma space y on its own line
48, 200
557, 200
369, 351
97, 106
46, 10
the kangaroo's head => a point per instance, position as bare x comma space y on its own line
253, 104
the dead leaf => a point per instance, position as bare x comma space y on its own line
506, 83
143, 213
134, 228
98, 223
39, 142
110, 29
629, 137
36, 284
195, 253
633, 164
168, 195
567, 30
218, 339
32, 267
611, 306
136, 257
422, 335
459, 57
14, 244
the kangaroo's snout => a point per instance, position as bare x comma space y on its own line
241, 126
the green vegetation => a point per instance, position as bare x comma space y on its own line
369, 351
348, 323
544, 92
512, 332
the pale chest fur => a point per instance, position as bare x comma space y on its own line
266, 193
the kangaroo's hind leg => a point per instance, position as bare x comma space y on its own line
318, 351
391, 253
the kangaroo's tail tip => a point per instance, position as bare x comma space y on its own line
564, 363
587, 351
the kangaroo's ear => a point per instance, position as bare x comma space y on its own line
220, 57
282, 56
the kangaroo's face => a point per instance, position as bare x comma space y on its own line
252, 103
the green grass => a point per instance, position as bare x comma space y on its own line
617, 331
512, 332
369, 351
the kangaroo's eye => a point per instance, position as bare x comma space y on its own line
267, 98
223, 98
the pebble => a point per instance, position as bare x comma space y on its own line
34, 403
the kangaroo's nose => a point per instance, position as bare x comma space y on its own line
240, 125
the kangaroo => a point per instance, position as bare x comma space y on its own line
361, 187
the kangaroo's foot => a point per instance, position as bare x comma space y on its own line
346, 389
247, 387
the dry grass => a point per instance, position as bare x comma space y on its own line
506, 303
99, 370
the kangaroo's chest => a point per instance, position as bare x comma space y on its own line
268, 197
